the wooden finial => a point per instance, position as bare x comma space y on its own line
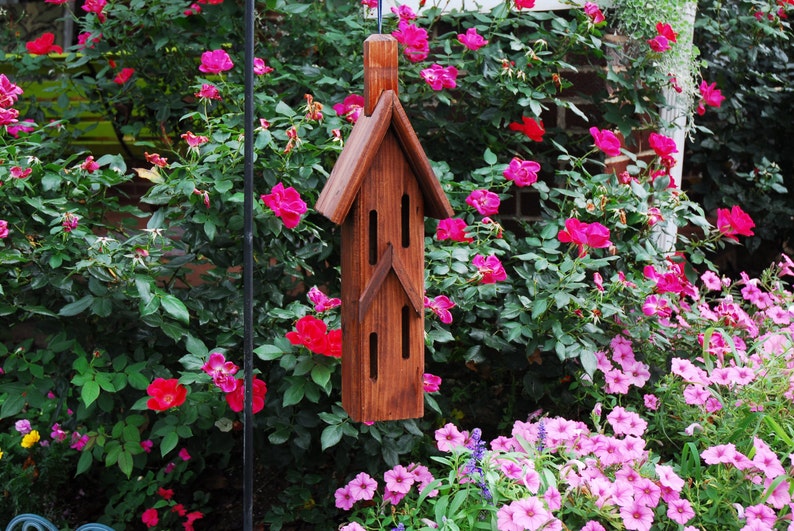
380, 69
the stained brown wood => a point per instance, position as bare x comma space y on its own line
353, 163
380, 69
360, 150
396, 390
380, 190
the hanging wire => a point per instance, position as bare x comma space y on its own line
248, 271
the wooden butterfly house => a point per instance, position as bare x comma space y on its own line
380, 191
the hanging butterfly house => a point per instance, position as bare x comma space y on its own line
380, 191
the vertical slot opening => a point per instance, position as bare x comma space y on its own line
373, 237
406, 332
373, 356
405, 211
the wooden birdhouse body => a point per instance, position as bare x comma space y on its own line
380, 190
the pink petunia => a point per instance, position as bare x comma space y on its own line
344, 498
680, 511
362, 487
449, 437
398, 479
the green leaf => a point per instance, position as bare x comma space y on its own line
90, 392
589, 362
76, 307
125, 463
268, 352
294, 393
489, 157
284, 109
331, 436
321, 375
196, 346
84, 463
168, 443
175, 308
12, 405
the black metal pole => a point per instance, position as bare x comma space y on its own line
248, 271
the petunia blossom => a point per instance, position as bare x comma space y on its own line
362, 487
449, 437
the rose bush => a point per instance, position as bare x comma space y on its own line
123, 308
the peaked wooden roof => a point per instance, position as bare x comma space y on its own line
359, 152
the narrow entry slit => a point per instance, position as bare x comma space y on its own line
406, 332
373, 356
405, 212
373, 237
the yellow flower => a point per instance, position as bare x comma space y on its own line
30, 439
1, 454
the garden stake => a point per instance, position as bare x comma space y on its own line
248, 272
379, 192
